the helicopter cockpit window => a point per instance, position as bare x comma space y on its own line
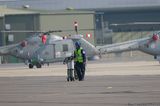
65, 47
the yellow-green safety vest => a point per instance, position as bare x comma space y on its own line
78, 54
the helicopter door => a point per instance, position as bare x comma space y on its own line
48, 53
63, 49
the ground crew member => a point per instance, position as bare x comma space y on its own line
80, 61
70, 67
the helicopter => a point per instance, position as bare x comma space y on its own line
47, 48
149, 45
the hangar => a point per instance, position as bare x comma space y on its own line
13, 23
128, 23
140, 17
64, 20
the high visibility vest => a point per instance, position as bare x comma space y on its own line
78, 54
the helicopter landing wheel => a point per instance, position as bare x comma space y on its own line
30, 66
38, 65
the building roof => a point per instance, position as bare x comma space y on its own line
9, 11
82, 4
58, 12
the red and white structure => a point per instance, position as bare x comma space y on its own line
88, 35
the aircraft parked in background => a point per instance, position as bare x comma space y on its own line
149, 45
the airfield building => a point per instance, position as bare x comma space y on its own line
127, 19
13, 26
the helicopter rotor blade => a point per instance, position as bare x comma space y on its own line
45, 32
31, 31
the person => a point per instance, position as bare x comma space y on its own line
70, 67
80, 61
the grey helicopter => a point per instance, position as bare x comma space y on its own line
149, 45
47, 48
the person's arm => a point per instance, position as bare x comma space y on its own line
84, 56
74, 55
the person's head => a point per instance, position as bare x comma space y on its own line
77, 45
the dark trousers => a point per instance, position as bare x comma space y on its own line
80, 68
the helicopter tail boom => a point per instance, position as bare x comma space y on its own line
5, 50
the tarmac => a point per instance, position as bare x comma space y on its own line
135, 83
